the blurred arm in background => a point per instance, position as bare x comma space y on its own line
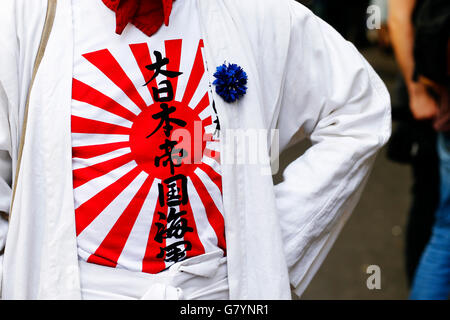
401, 29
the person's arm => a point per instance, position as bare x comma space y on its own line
401, 29
333, 95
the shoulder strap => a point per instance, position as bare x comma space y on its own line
48, 25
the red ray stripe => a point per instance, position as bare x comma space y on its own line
84, 175
192, 237
212, 154
89, 210
101, 261
84, 93
150, 263
198, 69
207, 122
173, 53
113, 244
213, 175
202, 105
106, 63
142, 56
87, 152
83, 125
215, 218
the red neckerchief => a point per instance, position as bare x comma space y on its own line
147, 15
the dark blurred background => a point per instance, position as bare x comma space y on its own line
375, 234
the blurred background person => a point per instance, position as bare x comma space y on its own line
413, 140
420, 37
393, 223
381, 33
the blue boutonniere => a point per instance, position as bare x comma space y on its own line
230, 82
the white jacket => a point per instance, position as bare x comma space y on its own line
303, 77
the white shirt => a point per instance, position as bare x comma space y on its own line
139, 205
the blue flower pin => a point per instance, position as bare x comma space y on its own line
230, 82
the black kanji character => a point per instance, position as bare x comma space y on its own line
174, 156
175, 252
166, 120
156, 67
168, 89
177, 226
175, 195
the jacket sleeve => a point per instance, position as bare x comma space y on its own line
8, 99
332, 96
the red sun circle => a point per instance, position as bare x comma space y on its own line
146, 149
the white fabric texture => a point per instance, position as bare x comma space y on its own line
199, 278
303, 77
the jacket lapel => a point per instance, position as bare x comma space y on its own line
248, 196
217, 52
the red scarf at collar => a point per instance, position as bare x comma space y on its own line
147, 15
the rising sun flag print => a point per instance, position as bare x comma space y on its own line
146, 175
